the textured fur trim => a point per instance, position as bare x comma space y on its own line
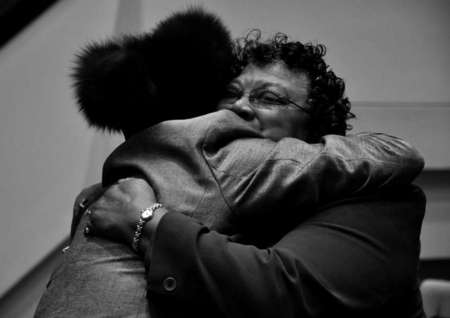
177, 71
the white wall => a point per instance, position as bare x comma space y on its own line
424, 124
436, 228
389, 51
44, 143
427, 126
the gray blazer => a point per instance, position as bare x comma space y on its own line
218, 161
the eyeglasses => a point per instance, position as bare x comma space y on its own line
264, 99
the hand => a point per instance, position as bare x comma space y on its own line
116, 213
83, 200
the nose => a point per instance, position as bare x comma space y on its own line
242, 108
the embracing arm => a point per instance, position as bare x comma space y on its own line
295, 173
336, 263
356, 256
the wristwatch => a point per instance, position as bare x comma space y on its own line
146, 215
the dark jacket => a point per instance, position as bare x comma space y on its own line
354, 258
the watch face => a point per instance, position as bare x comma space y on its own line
146, 214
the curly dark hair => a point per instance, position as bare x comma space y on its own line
330, 110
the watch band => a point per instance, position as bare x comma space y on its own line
146, 215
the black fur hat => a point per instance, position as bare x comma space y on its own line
177, 71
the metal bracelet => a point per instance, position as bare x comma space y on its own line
142, 221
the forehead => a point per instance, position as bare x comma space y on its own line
276, 73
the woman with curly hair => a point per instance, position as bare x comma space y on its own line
261, 231
326, 104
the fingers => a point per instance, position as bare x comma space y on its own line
82, 202
79, 205
110, 223
88, 196
95, 225
87, 228
78, 210
98, 222
115, 213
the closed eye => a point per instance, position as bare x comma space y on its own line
270, 97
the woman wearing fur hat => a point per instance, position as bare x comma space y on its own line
253, 238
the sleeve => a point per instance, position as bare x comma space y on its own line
258, 176
340, 262
201, 272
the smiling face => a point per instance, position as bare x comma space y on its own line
272, 100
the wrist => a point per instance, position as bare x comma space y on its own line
148, 231
145, 216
